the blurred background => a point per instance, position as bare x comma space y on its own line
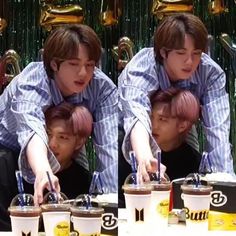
124, 27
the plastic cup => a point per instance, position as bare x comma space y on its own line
24, 215
160, 202
56, 215
86, 219
138, 202
197, 197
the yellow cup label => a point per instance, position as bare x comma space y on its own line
163, 208
62, 229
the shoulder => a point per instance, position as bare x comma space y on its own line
33, 73
209, 65
101, 79
142, 59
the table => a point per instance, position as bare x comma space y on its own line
178, 229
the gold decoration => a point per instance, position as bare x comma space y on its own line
230, 47
9, 62
55, 15
217, 7
123, 52
3, 25
162, 8
110, 12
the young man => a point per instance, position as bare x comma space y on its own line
68, 73
68, 127
178, 59
174, 111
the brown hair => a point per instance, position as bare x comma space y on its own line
181, 104
79, 119
171, 32
63, 43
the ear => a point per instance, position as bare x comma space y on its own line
53, 65
183, 126
79, 143
163, 53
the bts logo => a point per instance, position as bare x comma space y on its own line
109, 221
139, 215
24, 234
218, 198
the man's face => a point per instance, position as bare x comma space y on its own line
165, 129
62, 141
74, 75
181, 64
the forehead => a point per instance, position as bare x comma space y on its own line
60, 126
161, 109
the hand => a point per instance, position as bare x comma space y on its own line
149, 165
42, 182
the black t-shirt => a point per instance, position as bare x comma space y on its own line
181, 161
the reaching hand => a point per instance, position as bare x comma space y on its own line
42, 182
148, 165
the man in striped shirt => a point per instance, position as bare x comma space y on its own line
178, 59
68, 73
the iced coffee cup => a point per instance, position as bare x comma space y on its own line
24, 215
160, 201
196, 194
86, 217
56, 214
138, 202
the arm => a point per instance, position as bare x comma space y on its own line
137, 81
36, 153
31, 97
216, 121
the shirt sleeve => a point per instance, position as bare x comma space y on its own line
105, 134
28, 104
216, 120
136, 83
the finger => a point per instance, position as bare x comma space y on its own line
153, 165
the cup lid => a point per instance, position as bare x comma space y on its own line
159, 182
22, 199
84, 210
132, 184
196, 182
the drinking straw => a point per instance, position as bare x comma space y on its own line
51, 187
50, 182
88, 202
20, 186
159, 167
133, 165
197, 179
96, 183
133, 161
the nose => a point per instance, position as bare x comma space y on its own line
82, 71
189, 60
52, 143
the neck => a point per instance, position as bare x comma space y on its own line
170, 146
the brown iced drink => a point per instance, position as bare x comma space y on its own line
196, 190
91, 212
25, 211
137, 189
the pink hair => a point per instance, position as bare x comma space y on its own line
78, 117
181, 104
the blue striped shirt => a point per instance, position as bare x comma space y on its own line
143, 75
30, 93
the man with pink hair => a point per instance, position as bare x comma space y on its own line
174, 111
